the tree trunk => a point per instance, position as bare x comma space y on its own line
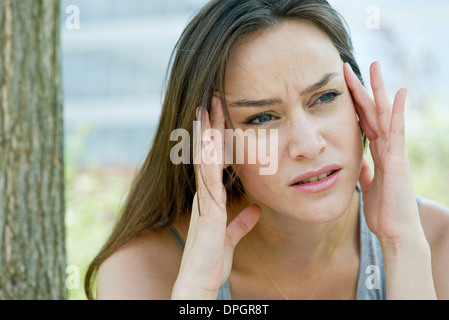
32, 233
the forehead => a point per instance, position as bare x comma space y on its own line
293, 52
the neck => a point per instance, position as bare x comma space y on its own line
290, 242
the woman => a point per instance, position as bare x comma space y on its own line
324, 225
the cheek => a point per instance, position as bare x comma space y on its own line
259, 186
256, 160
257, 148
240, 154
240, 147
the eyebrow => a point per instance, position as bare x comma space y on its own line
274, 101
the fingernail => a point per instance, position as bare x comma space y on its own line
375, 66
198, 113
214, 102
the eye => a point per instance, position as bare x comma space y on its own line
259, 119
328, 97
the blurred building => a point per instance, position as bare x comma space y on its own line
113, 67
114, 64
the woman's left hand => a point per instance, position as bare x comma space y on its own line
390, 206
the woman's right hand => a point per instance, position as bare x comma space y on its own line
207, 259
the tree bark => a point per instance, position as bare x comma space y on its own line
32, 232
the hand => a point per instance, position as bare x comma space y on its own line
390, 205
207, 258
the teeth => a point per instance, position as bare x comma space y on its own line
323, 176
314, 179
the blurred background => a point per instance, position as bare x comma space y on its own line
114, 63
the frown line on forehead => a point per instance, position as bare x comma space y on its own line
275, 101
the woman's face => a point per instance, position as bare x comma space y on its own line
290, 79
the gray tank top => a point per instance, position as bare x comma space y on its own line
371, 278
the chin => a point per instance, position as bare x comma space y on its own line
317, 209
328, 208
323, 214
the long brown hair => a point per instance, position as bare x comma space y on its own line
161, 190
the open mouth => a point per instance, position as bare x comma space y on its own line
315, 179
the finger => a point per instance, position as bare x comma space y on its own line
218, 123
363, 103
382, 103
216, 116
210, 167
378, 86
366, 175
397, 127
366, 127
210, 189
203, 141
242, 224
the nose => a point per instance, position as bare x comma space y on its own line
305, 139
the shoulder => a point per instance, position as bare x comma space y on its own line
145, 267
435, 220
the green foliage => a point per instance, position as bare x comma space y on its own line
428, 148
94, 196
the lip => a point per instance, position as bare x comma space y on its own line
318, 186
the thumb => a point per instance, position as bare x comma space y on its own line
242, 224
366, 175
